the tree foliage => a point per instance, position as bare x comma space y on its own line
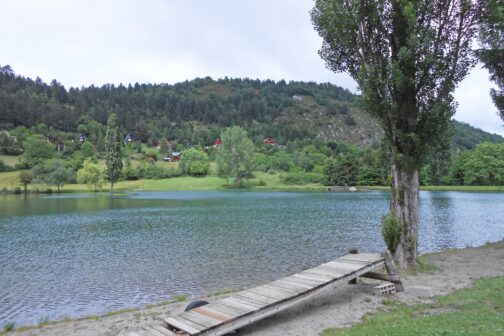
194, 162
113, 150
37, 149
407, 56
53, 172
92, 174
235, 159
491, 37
484, 165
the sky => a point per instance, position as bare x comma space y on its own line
84, 42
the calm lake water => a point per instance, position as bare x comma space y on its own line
78, 255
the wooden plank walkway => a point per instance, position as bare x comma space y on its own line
243, 308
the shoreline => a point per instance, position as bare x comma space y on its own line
444, 271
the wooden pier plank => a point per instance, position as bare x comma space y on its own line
218, 315
221, 306
159, 331
275, 293
248, 295
200, 319
363, 257
240, 303
184, 325
245, 307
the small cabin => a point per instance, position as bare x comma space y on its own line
217, 143
269, 141
175, 156
128, 139
82, 138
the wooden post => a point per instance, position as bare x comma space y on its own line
392, 271
353, 250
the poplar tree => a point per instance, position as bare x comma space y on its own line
113, 151
491, 39
407, 57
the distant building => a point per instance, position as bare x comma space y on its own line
175, 156
128, 138
269, 141
297, 98
82, 138
217, 143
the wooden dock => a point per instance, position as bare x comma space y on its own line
243, 308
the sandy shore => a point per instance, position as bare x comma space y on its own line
345, 306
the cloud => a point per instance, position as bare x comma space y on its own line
82, 42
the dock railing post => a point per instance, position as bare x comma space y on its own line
392, 271
353, 250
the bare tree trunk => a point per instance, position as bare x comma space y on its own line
405, 189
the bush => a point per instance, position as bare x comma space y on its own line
391, 231
302, 178
194, 162
17, 190
153, 172
4, 167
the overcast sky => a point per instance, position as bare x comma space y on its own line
84, 42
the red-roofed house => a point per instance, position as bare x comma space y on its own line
269, 141
217, 143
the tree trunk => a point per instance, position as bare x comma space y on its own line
405, 188
111, 186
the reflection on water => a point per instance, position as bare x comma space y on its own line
78, 255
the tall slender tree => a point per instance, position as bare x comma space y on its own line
407, 57
113, 152
491, 39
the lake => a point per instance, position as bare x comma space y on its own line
78, 255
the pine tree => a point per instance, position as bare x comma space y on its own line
113, 150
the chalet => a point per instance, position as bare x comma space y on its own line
128, 139
217, 143
175, 156
268, 141
297, 98
82, 138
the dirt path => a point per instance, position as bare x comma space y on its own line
345, 306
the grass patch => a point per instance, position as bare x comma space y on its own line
9, 326
478, 310
180, 298
422, 266
223, 292
10, 160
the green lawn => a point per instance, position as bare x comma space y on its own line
10, 160
474, 311
261, 181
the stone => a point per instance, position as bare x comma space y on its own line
352, 189
420, 291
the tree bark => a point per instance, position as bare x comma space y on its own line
405, 189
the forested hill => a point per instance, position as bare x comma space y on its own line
196, 111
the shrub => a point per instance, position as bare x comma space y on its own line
302, 178
194, 162
391, 231
4, 167
17, 190
9, 326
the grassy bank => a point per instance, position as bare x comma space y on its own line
478, 310
448, 188
261, 181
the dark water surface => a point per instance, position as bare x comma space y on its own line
79, 255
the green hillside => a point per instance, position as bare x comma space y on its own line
196, 111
